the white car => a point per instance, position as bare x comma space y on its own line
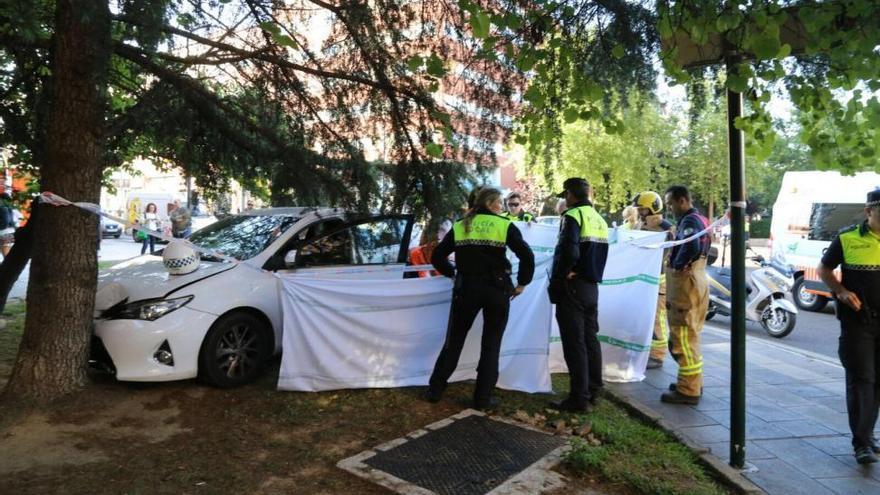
223, 321
549, 220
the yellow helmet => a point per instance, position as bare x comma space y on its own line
649, 200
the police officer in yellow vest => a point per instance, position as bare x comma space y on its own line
578, 267
515, 210
650, 208
857, 251
482, 282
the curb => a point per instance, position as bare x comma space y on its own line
732, 476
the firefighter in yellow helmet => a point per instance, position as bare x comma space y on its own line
650, 208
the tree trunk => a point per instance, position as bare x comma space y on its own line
17, 258
61, 292
711, 209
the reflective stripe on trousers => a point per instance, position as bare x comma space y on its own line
687, 300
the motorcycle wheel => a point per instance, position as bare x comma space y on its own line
778, 322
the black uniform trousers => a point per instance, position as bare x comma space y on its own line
578, 319
475, 294
859, 353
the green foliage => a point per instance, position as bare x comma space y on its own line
628, 154
279, 115
653, 150
764, 179
760, 229
566, 47
836, 59
702, 163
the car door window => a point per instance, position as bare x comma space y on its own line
378, 241
333, 249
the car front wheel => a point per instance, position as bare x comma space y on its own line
235, 351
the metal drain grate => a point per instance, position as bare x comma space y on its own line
471, 455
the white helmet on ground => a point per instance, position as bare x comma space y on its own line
180, 259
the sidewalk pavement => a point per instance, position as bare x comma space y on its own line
797, 432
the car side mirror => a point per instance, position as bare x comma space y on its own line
290, 259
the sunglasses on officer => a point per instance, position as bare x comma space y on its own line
513, 204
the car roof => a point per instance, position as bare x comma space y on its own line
293, 211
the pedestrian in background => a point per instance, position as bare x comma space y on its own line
687, 297
181, 221
578, 266
630, 216
7, 224
482, 277
151, 222
856, 250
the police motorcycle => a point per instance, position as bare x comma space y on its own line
766, 288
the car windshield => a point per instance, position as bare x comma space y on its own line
243, 236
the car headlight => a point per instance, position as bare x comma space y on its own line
149, 309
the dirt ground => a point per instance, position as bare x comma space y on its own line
186, 437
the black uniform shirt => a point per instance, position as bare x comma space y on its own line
488, 261
685, 254
587, 259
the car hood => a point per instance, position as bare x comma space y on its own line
145, 277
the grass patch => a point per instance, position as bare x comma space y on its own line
639, 456
104, 264
10, 336
760, 229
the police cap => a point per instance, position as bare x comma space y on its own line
873, 198
574, 185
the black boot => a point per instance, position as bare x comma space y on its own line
487, 405
433, 395
569, 405
677, 397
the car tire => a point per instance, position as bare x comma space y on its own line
805, 300
235, 350
118, 235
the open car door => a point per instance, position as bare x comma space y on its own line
361, 247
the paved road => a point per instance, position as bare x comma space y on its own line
814, 332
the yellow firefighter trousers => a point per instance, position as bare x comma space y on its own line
660, 341
687, 299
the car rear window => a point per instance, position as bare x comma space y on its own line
826, 219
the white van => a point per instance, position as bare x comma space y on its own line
809, 211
